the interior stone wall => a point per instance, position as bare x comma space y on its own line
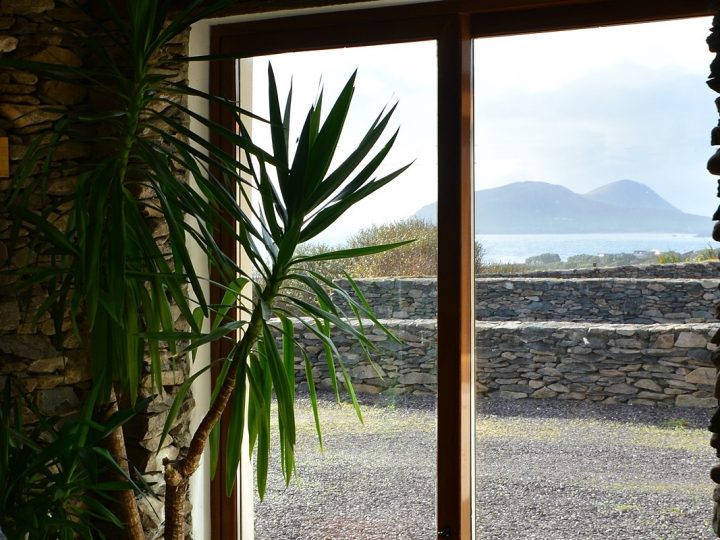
55, 367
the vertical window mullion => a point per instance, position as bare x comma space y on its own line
223, 509
456, 409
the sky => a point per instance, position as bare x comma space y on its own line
579, 109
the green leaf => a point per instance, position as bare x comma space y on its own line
322, 148
313, 396
328, 215
350, 253
229, 300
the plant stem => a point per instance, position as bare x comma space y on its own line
177, 475
126, 503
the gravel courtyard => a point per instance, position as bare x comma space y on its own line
550, 470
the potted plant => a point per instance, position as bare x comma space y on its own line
106, 273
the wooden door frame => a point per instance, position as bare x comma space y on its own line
452, 24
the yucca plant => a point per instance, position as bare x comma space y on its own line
104, 269
58, 480
307, 198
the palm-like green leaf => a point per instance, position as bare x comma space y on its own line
106, 264
45, 465
307, 200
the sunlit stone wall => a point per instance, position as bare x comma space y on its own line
582, 299
629, 363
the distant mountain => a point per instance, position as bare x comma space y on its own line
541, 208
630, 194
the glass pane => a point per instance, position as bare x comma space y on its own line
593, 356
374, 480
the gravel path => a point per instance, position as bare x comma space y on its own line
550, 470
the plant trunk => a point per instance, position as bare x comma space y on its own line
177, 475
175, 507
127, 509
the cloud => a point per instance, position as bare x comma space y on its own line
620, 121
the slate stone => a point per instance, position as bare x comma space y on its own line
543, 393
622, 388
58, 401
648, 384
702, 376
685, 400
690, 339
28, 346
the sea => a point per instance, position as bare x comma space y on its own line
515, 248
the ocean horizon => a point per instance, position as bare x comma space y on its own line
515, 248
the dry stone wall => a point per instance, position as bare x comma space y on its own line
703, 270
617, 300
637, 334
638, 364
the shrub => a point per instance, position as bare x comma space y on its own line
419, 258
707, 254
667, 257
543, 259
416, 259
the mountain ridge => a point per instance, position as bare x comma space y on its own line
623, 206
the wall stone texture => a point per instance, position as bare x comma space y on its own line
655, 364
597, 299
702, 270
55, 367
636, 334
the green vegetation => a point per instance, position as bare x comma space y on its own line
707, 254
667, 257
552, 261
418, 258
676, 423
58, 481
106, 274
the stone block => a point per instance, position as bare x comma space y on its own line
27, 346
702, 376
648, 384
689, 340
58, 401
577, 396
692, 401
26, 115
8, 44
664, 341
367, 388
47, 365
366, 372
522, 388
57, 55
417, 378
629, 343
25, 7
543, 393
502, 394
9, 317
682, 384
622, 388
653, 395
642, 402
